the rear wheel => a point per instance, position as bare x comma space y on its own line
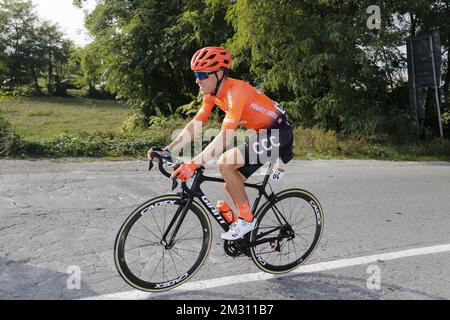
145, 260
289, 229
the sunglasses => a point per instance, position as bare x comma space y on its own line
202, 75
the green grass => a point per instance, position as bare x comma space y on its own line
39, 118
311, 144
82, 127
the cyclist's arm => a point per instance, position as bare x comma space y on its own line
193, 128
215, 148
229, 125
185, 136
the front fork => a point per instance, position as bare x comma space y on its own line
178, 219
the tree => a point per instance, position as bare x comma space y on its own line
324, 63
146, 46
17, 28
56, 51
318, 58
3, 71
29, 47
91, 69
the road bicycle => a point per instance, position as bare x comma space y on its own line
165, 241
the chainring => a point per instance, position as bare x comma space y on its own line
235, 248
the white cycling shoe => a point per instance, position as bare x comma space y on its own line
239, 229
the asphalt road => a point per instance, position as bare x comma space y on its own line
59, 219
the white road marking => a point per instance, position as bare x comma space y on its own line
252, 277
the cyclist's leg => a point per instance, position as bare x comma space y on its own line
234, 184
229, 163
235, 169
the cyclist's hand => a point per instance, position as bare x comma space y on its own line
185, 171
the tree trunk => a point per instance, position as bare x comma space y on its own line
91, 90
412, 29
50, 74
388, 69
37, 89
447, 76
13, 79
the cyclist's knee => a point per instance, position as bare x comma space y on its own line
224, 168
227, 168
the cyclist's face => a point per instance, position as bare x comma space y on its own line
208, 85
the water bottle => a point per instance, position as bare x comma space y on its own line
226, 212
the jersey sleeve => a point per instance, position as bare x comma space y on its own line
236, 101
204, 112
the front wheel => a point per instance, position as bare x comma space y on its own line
289, 228
148, 261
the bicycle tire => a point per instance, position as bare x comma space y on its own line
316, 212
147, 209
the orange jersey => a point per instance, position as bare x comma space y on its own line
243, 105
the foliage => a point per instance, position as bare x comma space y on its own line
31, 48
318, 59
10, 143
147, 45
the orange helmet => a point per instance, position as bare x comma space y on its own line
211, 59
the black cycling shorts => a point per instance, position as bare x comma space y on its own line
267, 145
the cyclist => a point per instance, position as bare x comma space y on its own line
246, 106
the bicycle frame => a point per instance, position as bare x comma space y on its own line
189, 194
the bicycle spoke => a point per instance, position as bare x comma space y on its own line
274, 222
164, 264
152, 242
143, 246
180, 238
290, 214
289, 249
300, 210
302, 220
175, 251
140, 254
174, 264
153, 216
267, 252
148, 230
188, 250
156, 268
301, 237
311, 217
296, 214
145, 264
293, 246
164, 223
188, 239
303, 228
283, 245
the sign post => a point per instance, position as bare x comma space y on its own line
424, 71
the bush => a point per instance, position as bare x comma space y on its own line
316, 140
99, 145
134, 123
10, 142
355, 143
26, 91
75, 145
7, 95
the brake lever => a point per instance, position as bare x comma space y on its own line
174, 180
174, 166
174, 184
